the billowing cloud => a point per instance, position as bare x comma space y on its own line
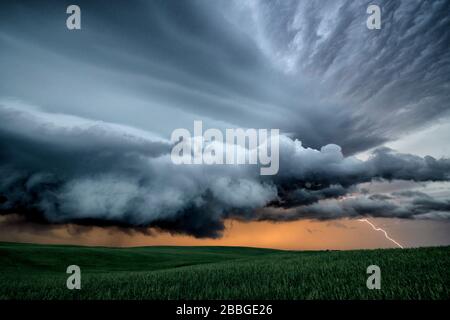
63, 169
96, 152
362, 205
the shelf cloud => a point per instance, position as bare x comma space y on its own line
64, 169
86, 114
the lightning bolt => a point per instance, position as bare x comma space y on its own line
379, 229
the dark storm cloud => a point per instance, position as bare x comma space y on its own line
395, 79
359, 206
62, 169
310, 68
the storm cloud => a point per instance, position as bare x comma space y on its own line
65, 169
86, 114
311, 69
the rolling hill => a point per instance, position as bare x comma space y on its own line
31, 271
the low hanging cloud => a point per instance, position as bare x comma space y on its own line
362, 205
57, 169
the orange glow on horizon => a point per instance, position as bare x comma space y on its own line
340, 234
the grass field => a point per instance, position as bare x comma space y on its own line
29, 271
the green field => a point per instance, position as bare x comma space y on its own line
29, 271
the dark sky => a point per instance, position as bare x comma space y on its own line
311, 69
87, 113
